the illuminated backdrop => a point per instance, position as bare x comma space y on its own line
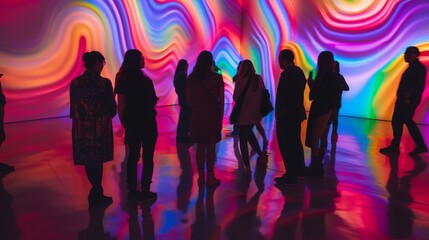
42, 42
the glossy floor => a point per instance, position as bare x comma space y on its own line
364, 195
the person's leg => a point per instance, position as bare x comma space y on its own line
201, 159
243, 137
132, 162
397, 125
94, 174
210, 157
415, 133
261, 131
149, 138
253, 141
334, 133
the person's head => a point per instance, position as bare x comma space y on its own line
411, 54
325, 62
133, 60
246, 69
204, 63
286, 58
182, 65
93, 61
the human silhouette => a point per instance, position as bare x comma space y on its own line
4, 168
205, 94
136, 109
249, 86
234, 132
183, 126
205, 225
184, 188
290, 113
92, 107
324, 92
246, 223
408, 98
399, 215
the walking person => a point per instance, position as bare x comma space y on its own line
205, 94
290, 113
92, 107
408, 98
251, 85
136, 109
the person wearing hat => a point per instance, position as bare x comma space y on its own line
4, 168
408, 97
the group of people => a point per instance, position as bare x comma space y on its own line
92, 107
201, 100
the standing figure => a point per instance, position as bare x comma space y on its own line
290, 113
92, 107
335, 111
4, 168
408, 97
344, 87
184, 124
136, 109
205, 94
252, 85
324, 93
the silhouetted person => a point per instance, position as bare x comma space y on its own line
205, 94
136, 108
399, 215
335, 111
184, 188
234, 132
290, 113
184, 124
324, 92
92, 107
4, 168
408, 97
205, 225
251, 85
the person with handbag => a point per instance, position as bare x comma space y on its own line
249, 87
290, 113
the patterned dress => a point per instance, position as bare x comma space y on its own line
92, 107
206, 120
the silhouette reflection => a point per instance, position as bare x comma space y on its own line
321, 195
95, 229
400, 216
205, 226
184, 188
246, 223
8, 224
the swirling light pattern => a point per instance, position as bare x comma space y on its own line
42, 43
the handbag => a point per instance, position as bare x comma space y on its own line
235, 113
266, 105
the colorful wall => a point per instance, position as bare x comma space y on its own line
42, 42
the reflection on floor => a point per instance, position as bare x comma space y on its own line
364, 195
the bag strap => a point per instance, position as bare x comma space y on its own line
245, 89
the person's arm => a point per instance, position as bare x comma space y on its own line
221, 99
121, 109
